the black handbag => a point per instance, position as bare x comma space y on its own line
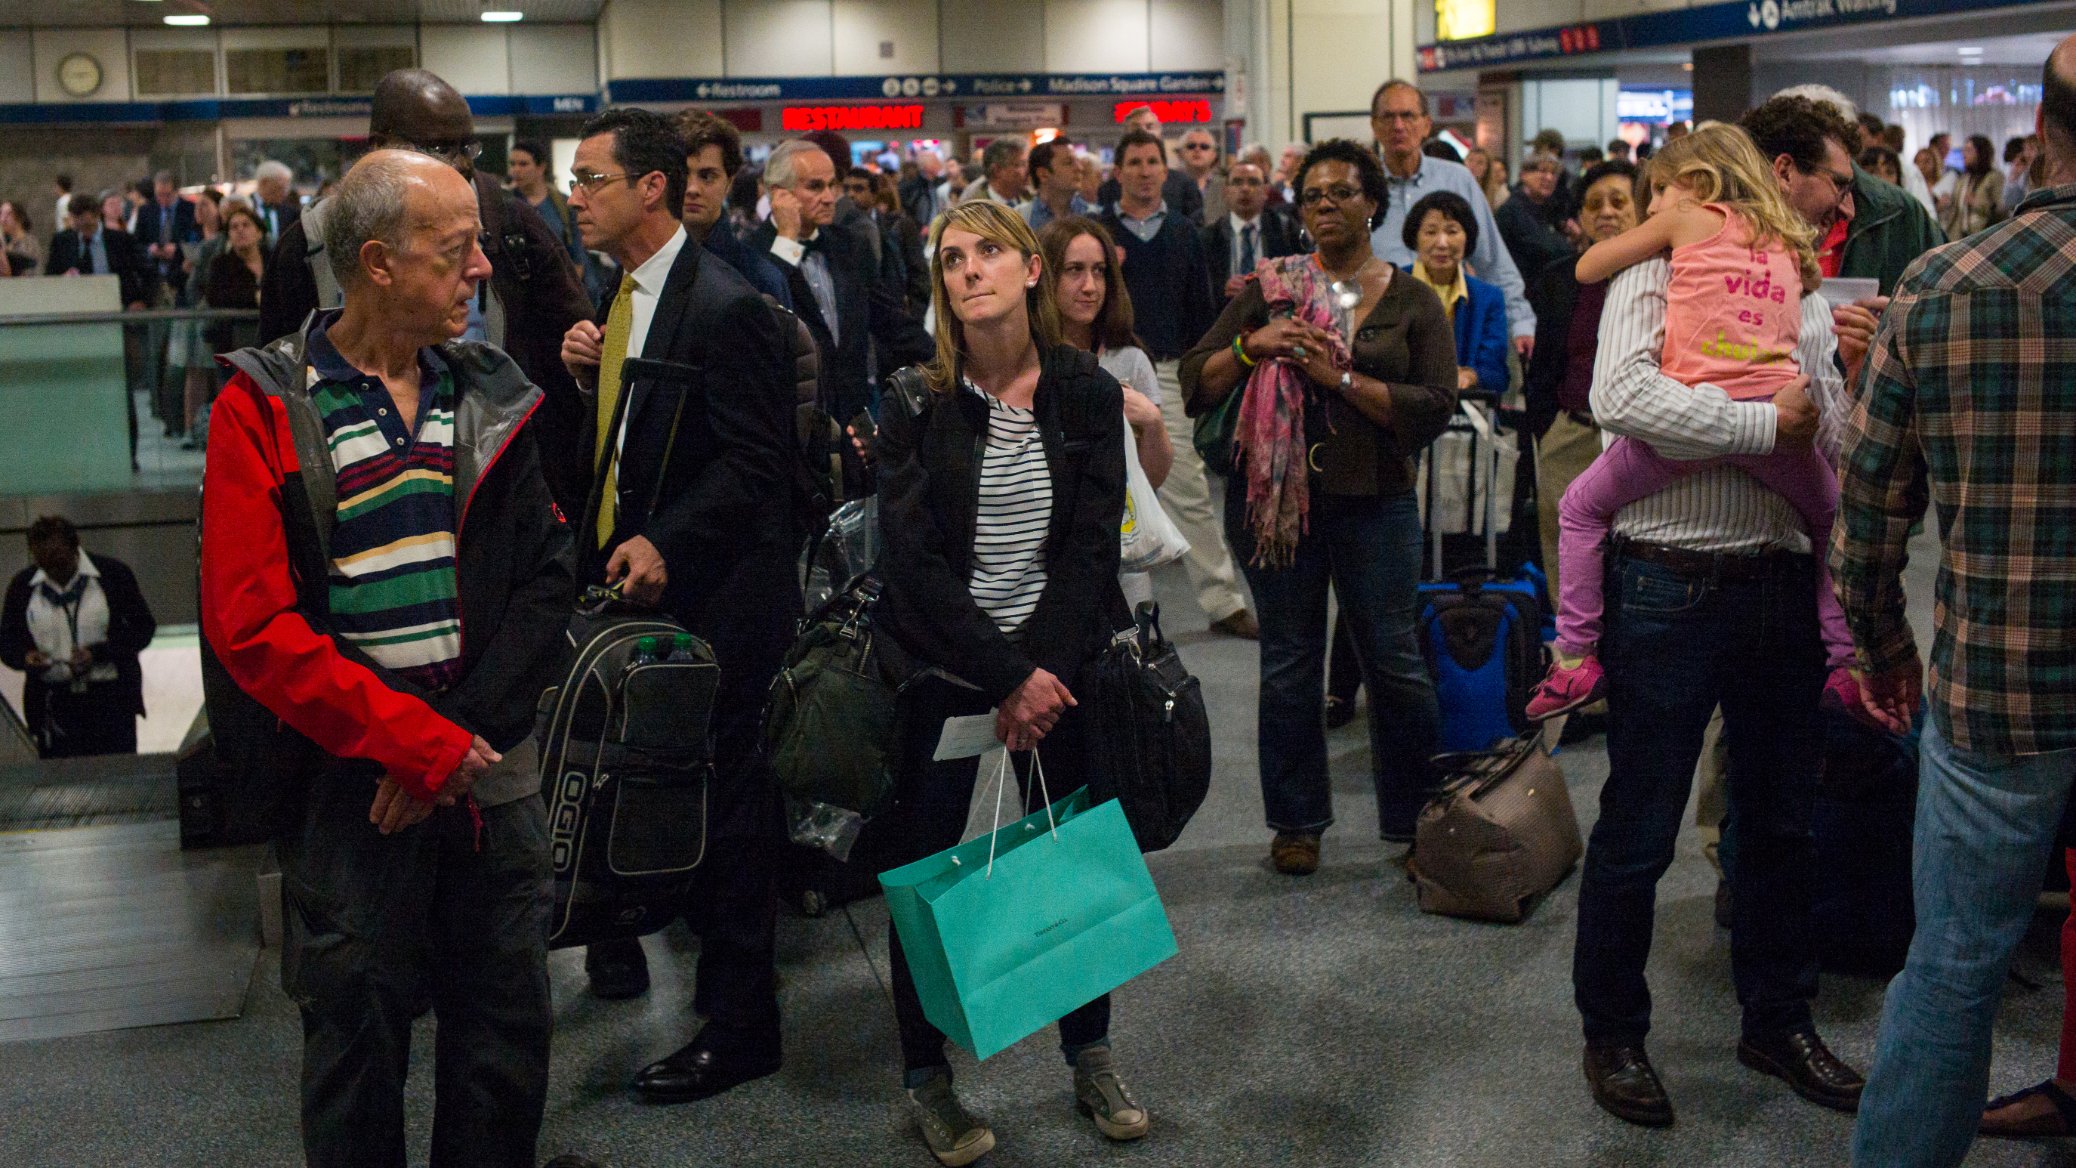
1149, 737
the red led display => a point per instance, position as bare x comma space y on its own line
802, 119
1168, 110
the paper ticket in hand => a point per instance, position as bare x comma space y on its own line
968, 737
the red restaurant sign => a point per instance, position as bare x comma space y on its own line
1168, 109
802, 119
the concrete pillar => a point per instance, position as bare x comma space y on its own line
1722, 83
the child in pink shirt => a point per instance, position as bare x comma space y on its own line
1741, 262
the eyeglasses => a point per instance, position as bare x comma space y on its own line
1198, 146
589, 183
451, 153
1339, 193
1840, 183
1397, 116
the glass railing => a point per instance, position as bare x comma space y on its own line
103, 400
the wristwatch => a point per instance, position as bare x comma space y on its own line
1347, 381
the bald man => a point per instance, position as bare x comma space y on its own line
415, 864
534, 293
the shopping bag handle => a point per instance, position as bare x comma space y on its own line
1001, 781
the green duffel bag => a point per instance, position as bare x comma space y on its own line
829, 727
1212, 432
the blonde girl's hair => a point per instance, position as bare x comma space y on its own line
1720, 163
1002, 224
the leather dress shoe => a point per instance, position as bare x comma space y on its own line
1240, 624
618, 969
705, 1067
1625, 1085
1809, 1067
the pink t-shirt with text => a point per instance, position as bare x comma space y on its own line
1733, 313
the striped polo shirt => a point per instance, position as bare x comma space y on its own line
1014, 515
392, 581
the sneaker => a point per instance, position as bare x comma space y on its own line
1567, 687
1103, 1097
1295, 853
954, 1135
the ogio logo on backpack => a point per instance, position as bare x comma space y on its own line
562, 833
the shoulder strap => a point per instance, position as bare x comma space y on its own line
314, 221
909, 388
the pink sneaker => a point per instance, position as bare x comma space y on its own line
1566, 688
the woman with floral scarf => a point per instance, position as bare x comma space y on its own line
1323, 442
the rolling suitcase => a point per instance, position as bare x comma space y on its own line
1480, 633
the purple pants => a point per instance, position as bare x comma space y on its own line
1629, 470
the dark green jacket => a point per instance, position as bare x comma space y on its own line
1889, 229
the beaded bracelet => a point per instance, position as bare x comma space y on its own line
1240, 351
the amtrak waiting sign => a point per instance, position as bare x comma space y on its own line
1704, 23
1012, 86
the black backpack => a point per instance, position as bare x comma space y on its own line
1149, 737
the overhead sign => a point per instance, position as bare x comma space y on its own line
806, 119
1035, 86
1169, 111
1700, 24
217, 108
1015, 115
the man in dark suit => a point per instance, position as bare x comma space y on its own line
844, 310
713, 157
91, 249
534, 293
1249, 232
75, 626
162, 226
274, 197
694, 517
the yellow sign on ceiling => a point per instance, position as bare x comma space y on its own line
1460, 20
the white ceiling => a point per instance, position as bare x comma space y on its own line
113, 13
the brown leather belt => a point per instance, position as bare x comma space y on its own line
1709, 565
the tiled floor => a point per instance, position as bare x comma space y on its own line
1319, 1021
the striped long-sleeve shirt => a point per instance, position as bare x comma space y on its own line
1968, 404
1718, 508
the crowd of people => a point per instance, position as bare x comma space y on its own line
422, 413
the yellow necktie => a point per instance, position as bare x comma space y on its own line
619, 326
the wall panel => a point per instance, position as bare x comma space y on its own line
553, 58
108, 46
1096, 36
1187, 34
17, 65
989, 36
862, 27
660, 38
472, 58
778, 38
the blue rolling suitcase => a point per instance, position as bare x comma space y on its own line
1480, 633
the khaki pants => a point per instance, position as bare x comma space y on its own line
1186, 496
1561, 455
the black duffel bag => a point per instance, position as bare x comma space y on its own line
1149, 737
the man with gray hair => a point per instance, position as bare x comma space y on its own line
413, 841
274, 198
1004, 180
833, 291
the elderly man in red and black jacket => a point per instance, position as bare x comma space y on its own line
390, 470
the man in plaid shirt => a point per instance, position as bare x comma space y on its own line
1969, 403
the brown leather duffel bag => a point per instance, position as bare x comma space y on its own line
1499, 833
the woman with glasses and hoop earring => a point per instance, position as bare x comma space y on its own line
1322, 491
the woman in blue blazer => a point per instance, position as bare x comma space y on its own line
1441, 230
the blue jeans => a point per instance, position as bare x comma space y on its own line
1985, 830
1676, 645
1369, 549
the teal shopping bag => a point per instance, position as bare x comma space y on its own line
1064, 912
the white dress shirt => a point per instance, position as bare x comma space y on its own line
1717, 508
648, 289
58, 634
